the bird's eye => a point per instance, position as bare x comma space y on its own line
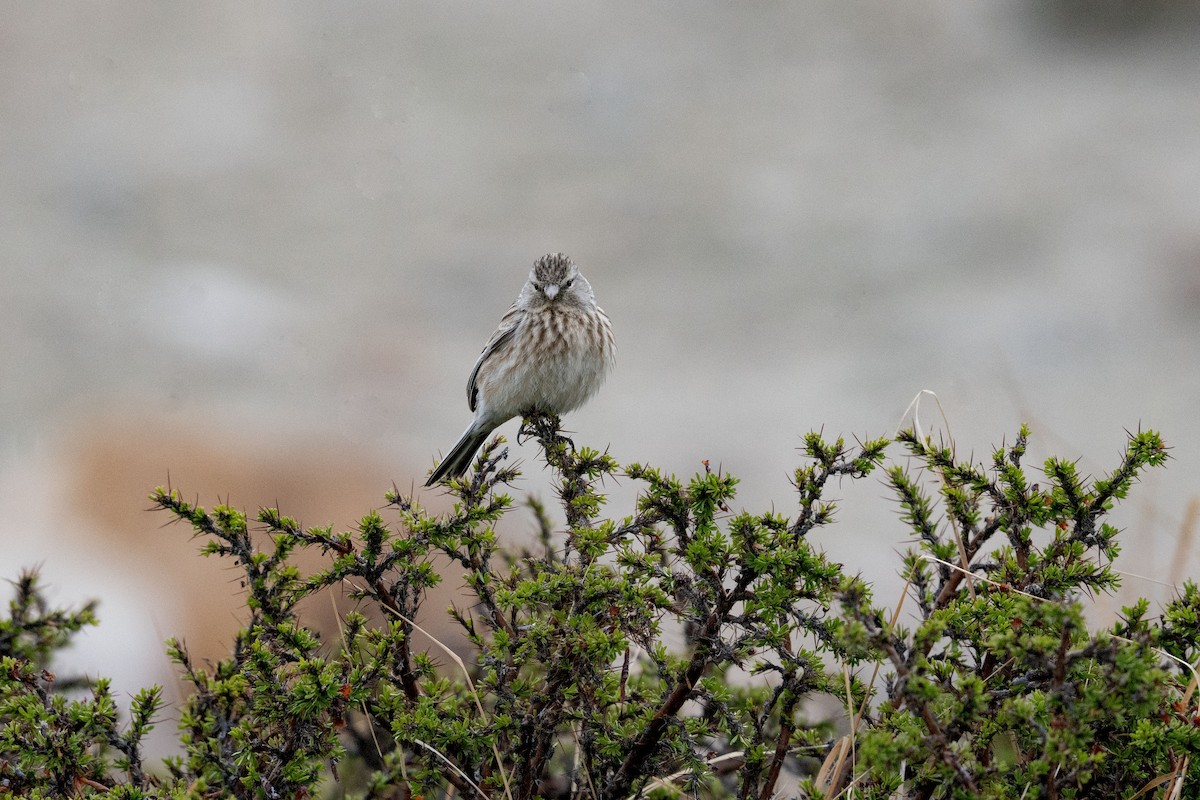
567, 285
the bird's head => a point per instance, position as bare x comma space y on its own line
555, 279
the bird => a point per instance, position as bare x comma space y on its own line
551, 352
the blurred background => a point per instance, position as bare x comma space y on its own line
254, 250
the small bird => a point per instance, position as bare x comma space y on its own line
551, 352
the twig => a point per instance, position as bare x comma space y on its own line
470, 685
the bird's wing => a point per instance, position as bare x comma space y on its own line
508, 326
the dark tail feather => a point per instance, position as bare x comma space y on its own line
459, 458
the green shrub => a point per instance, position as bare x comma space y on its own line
619, 659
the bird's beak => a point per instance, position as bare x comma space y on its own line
550, 290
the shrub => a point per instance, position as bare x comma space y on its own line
670, 652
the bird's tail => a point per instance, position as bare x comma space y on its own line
459, 458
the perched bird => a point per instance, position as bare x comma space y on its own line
550, 353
